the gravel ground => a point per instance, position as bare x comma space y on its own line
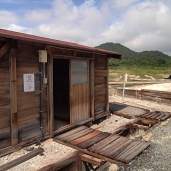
158, 157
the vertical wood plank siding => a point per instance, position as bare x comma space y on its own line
28, 103
101, 86
5, 119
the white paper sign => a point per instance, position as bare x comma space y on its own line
28, 82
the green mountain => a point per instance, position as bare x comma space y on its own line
132, 58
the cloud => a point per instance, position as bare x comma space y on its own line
138, 24
38, 16
7, 18
144, 26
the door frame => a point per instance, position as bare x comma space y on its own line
50, 102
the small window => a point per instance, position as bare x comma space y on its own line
79, 72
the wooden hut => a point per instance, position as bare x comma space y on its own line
48, 86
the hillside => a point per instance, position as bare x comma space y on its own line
132, 58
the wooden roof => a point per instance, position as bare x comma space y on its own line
53, 42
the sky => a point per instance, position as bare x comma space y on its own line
138, 24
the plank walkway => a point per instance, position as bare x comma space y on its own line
125, 110
110, 147
156, 115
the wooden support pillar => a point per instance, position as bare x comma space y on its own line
92, 87
50, 96
13, 95
79, 163
107, 85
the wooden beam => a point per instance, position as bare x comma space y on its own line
21, 159
13, 95
107, 85
148, 121
104, 167
91, 159
140, 126
79, 163
92, 88
19, 146
4, 49
50, 96
61, 163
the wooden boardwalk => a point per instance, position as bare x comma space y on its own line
109, 147
156, 115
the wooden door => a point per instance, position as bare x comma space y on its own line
79, 91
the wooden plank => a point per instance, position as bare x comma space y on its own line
13, 87
59, 51
5, 142
100, 145
148, 121
79, 163
28, 51
103, 114
78, 135
101, 73
131, 146
85, 138
91, 159
90, 153
118, 150
100, 62
5, 133
160, 116
115, 144
99, 80
94, 140
5, 121
136, 151
21, 159
31, 133
72, 132
4, 49
61, 163
156, 115
100, 105
50, 102
104, 167
80, 102
168, 115
100, 98
92, 97
107, 85
140, 127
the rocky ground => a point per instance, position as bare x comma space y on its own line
157, 157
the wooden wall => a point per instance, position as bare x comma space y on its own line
101, 86
28, 102
19, 111
5, 113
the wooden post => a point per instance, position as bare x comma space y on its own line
50, 96
107, 85
13, 95
79, 163
92, 87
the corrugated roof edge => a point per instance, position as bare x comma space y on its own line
53, 42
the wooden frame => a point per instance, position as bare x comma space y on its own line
13, 94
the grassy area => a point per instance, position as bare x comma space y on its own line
157, 73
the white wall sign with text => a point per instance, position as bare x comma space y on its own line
29, 84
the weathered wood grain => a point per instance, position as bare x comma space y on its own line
21, 159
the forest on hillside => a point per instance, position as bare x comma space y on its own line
130, 58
